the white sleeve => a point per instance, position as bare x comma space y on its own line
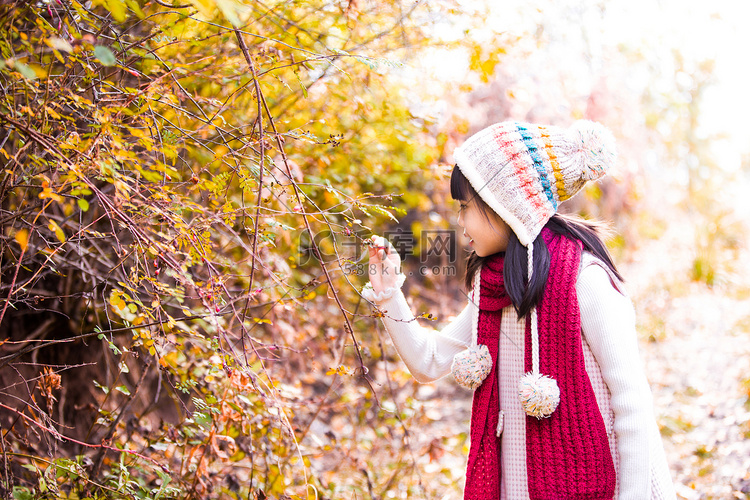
608, 324
427, 353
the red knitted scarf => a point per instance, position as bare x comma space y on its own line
567, 454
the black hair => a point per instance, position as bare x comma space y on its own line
515, 271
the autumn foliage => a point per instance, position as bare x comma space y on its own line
181, 220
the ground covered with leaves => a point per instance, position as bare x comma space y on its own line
697, 353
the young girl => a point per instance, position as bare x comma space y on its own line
562, 407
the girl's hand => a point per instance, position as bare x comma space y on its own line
385, 264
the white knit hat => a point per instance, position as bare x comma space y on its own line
522, 172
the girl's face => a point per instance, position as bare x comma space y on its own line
487, 231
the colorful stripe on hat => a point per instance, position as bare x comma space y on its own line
533, 148
513, 151
562, 193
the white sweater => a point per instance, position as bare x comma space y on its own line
612, 363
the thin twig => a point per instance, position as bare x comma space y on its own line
261, 166
62, 437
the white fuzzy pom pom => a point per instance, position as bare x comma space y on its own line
596, 147
539, 395
471, 367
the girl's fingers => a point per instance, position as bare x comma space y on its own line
382, 252
384, 264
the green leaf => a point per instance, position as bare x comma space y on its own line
381, 210
105, 56
100, 386
26, 71
83, 204
21, 493
202, 419
123, 390
302, 85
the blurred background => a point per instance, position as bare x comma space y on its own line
187, 187
666, 77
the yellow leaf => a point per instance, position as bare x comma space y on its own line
54, 114
133, 4
136, 132
22, 237
341, 370
230, 9
48, 193
116, 7
59, 233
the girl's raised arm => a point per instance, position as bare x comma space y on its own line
427, 353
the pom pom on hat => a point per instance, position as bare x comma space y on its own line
539, 395
596, 149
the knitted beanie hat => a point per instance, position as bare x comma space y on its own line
522, 172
